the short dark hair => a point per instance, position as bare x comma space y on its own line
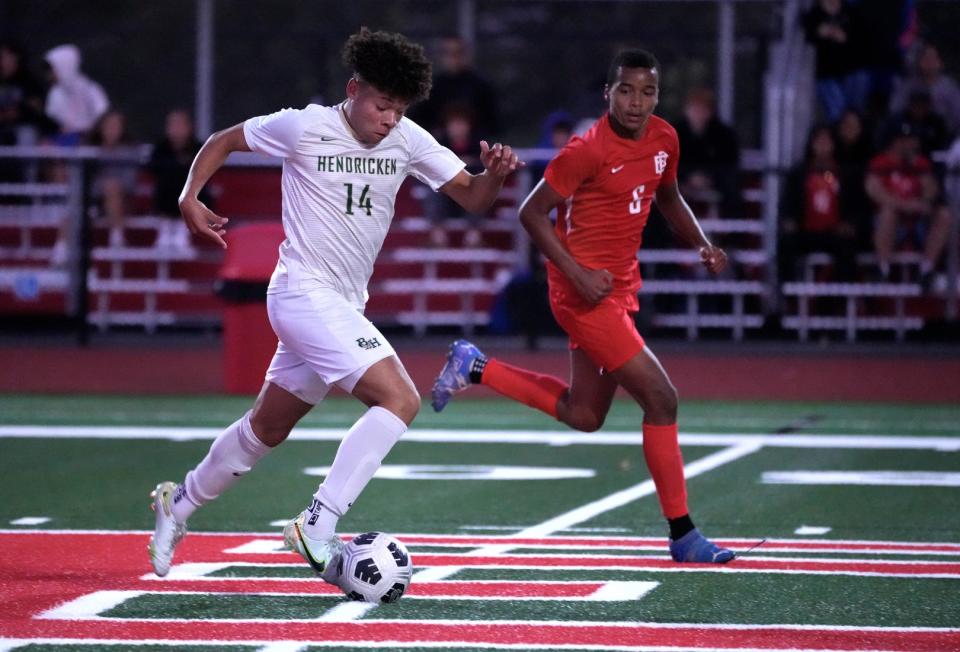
630, 59
390, 63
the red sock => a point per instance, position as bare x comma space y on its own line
527, 387
662, 452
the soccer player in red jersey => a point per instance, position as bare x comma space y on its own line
603, 184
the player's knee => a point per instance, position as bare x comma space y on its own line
662, 407
585, 420
405, 404
270, 431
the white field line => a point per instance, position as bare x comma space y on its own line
346, 612
282, 646
553, 438
517, 528
88, 606
651, 543
591, 510
864, 478
425, 573
30, 520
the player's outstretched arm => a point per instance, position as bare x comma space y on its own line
684, 223
200, 219
477, 192
592, 284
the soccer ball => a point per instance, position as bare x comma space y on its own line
375, 567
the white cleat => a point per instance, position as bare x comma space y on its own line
168, 532
323, 556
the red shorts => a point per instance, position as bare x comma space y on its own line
606, 332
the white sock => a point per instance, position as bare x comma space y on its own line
233, 453
358, 458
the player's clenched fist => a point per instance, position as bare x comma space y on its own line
594, 284
713, 258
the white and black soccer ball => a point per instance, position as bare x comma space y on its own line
375, 567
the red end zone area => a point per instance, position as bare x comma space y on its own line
55, 586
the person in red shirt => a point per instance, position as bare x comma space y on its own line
905, 192
604, 183
817, 212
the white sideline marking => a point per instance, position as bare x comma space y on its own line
190, 571
812, 530
622, 591
555, 437
280, 522
30, 520
346, 612
517, 528
259, 547
626, 496
868, 478
282, 646
89, 606
466, 472
591, 510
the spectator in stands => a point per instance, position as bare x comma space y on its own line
458, 134
837, 32
455, 82
928, 75
113, 181
75, 102
115, 175
21, 97
854, 149
908, 203
813, 211
169, 163
711, 155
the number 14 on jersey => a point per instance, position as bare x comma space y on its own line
363, 202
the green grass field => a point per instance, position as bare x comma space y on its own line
859, 506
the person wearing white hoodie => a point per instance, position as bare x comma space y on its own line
75, 102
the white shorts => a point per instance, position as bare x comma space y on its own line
324, 341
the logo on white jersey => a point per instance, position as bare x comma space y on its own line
660, 162
616, 169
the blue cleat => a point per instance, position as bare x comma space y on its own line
455, 375
696, 548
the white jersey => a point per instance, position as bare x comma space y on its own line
339, 194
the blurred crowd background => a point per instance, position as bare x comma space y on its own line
818, 143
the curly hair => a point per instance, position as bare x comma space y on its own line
390, 63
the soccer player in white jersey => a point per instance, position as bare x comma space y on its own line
342, 167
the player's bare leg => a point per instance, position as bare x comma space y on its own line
584, 406
646, 381
393, 400
233, 453
275, 412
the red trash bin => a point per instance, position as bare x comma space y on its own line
248, 340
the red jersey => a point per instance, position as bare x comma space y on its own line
903, 179
822, 201
609, 183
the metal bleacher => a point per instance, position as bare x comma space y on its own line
145, 286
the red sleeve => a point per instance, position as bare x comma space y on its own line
572, 165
